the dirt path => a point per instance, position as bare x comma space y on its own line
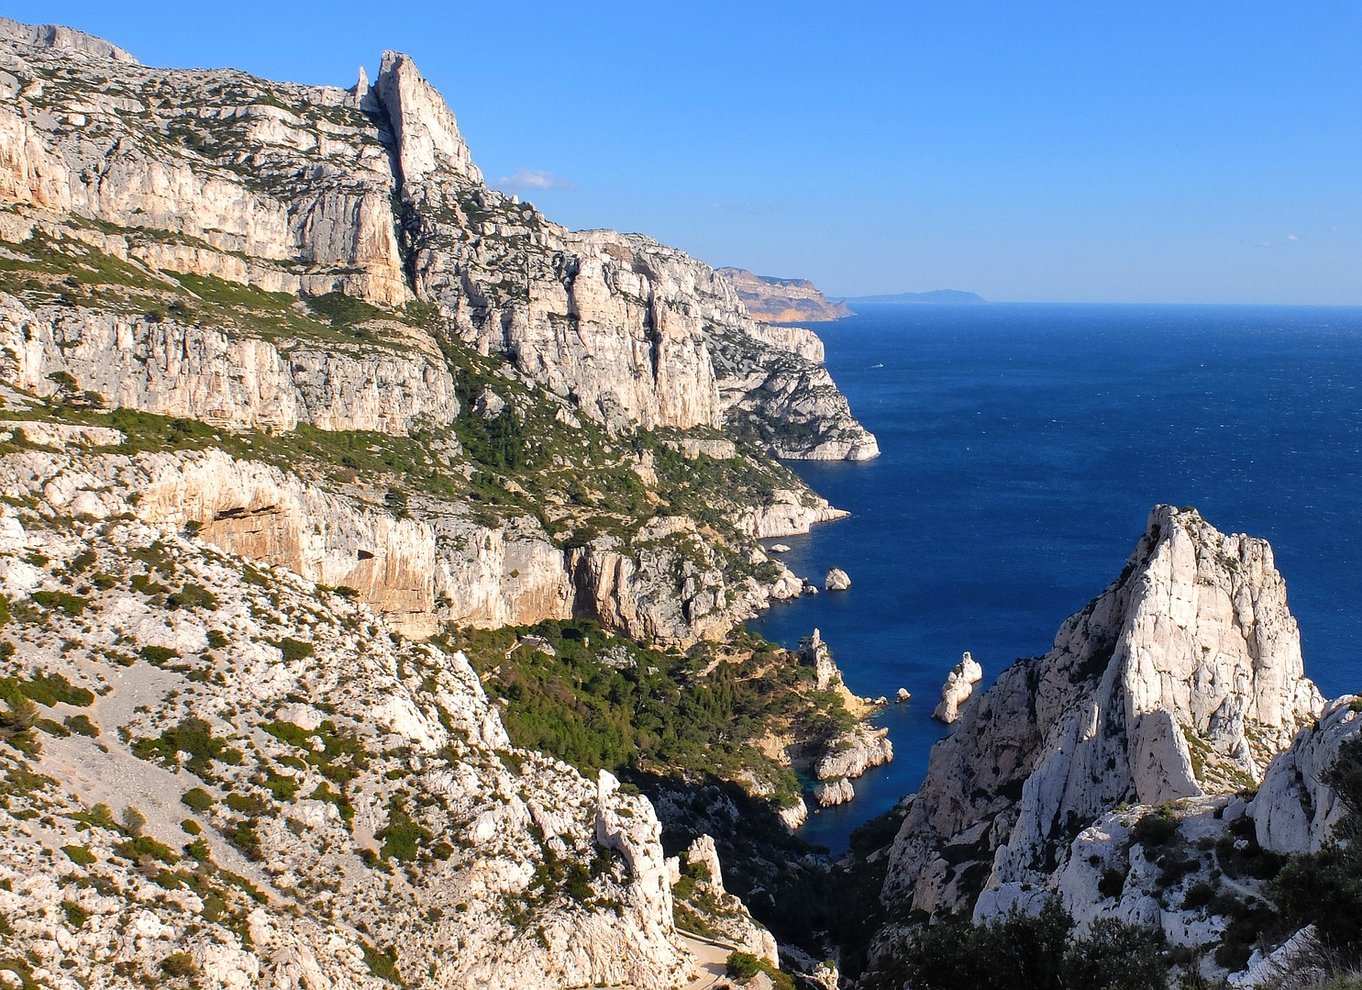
710, 958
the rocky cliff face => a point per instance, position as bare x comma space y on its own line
783, 300
1295, 809
268, 258
1182, 679
292, 189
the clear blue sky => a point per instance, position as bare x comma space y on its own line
1191, 151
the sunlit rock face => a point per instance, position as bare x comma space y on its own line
1183, 678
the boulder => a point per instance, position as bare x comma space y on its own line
836, 580
833, 792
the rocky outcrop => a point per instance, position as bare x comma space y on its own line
1182, 679
723, 915
815, 653
670, 588
782, 300
833, 792
958, 688
836, 579
854, 753
437, 565
65, 38
789, 513
173, 369
1295, 809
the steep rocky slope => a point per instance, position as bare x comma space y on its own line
1105, 772
287, 389
783, 300
314, 797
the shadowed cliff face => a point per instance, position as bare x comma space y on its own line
1183, 678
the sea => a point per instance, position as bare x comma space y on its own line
1023, 447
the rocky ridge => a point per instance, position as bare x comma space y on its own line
281, 348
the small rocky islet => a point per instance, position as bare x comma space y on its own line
373, 559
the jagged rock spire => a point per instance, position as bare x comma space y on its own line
1183, 678
426, 130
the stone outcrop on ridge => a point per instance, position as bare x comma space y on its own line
958, 688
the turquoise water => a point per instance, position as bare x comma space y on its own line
1023, 448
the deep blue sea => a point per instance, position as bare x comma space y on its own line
1023, 446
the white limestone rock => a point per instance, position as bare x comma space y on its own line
420, 741
789, 513
836, 580
833, 792
731, 920
958, 688
855, 752
1295, 810
1183, 678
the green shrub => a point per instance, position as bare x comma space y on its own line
157, 654
193, 736
144, 847
198, 799
79, 855
1036, 952
382, 964
179, 964
742, 966
1156, 828
402, 837
192, 596
75, 914
1198, 895
59, 601
81, 724
294, 649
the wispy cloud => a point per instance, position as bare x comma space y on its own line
533, 180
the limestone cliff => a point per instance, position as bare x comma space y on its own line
1295, 810
1183, 678
783, 300
372, 192
275, 260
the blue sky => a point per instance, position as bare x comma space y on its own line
1164, 152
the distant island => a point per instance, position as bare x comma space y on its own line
782, 300
953, 297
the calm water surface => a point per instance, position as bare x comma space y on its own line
1023, 448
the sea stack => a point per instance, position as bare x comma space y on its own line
836, 580
958, 688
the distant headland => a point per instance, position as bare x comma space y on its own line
952, 297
